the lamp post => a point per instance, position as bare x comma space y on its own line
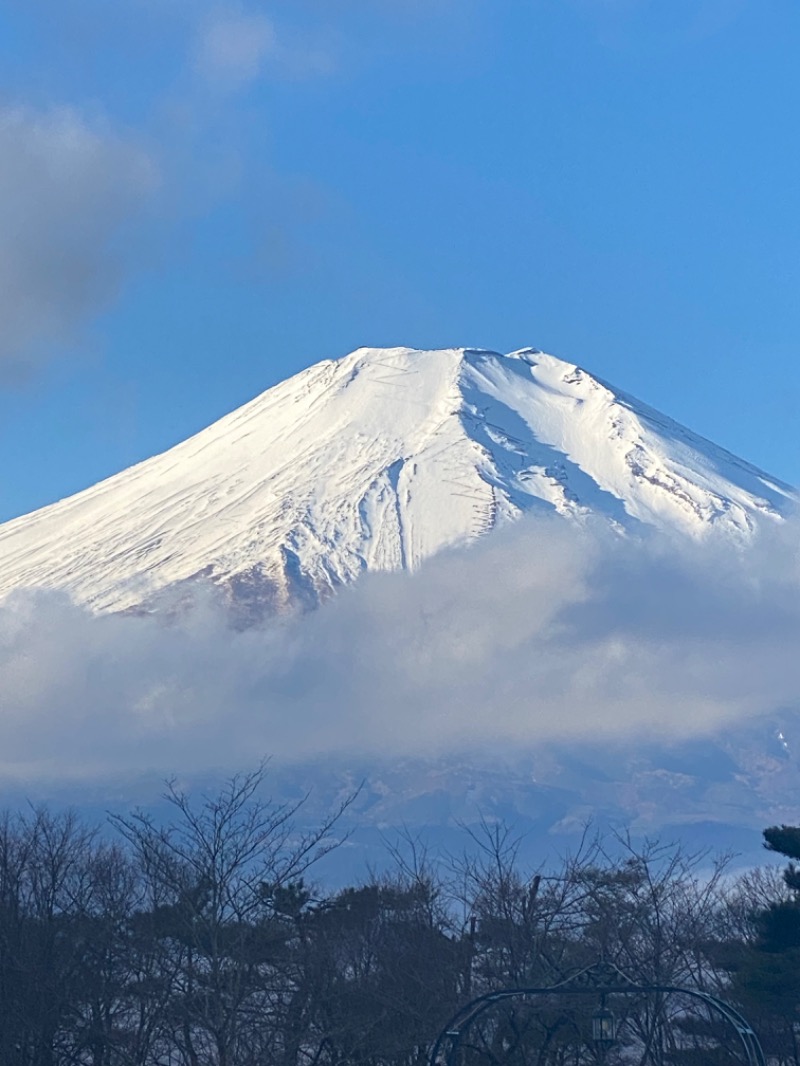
604, 1030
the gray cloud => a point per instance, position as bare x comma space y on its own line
72, 188
544, 633
67, 190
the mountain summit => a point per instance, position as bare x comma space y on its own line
374, 462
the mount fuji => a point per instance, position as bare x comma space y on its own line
375, 462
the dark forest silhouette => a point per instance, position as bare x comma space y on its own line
203, 941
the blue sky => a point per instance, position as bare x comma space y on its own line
199, 198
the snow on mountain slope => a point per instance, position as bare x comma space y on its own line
377, 461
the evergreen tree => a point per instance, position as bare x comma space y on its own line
762, 956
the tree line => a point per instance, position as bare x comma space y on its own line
202, 940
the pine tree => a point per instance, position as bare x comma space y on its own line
765, 973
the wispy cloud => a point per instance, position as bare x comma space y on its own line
683, 24
542, 634
68, 188
234, 47
74, 184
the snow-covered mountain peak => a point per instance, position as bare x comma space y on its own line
377, 461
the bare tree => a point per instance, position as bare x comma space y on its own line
211, 876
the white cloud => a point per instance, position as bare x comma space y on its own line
542, 634
235, 47
67, 189
232, 47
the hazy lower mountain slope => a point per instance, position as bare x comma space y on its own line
377, 461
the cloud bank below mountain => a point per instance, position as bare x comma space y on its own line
542, 633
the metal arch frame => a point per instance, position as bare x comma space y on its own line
602, 978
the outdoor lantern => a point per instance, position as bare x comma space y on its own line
604, 1028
